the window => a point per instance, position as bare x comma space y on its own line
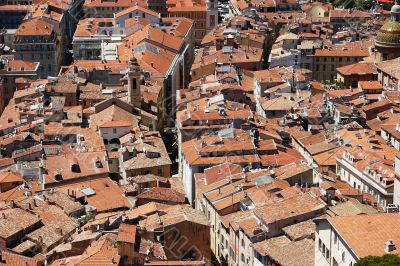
99, 164
343, 256
75, 168
114, 131
212, 20
242, 242
335, 239
58, 177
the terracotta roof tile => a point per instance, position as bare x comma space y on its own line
127, 233
34, 27
367, 234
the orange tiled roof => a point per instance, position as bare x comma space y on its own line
34, 27
127, 233
367, 234
114, 3
10, 177
137, 8
15, 8
370, 85
347, 13
108, 195
351, 49
360, 68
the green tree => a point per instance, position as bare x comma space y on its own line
385, 260
363, 4
358, 4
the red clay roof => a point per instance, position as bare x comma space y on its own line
127, 233
34, 27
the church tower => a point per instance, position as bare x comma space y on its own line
387, 42
134, 96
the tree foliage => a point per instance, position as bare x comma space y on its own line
385, 260
358, 4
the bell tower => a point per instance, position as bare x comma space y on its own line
134, 96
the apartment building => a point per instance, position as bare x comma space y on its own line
344, 240
204, 13
38, 41
326, 60
10, 71
64, 17
350, 75
367, 172
11, 16
159, 6
91, 33
228, 146
389, 74
145, 156
341, 18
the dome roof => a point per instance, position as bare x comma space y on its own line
395, 9
389, 34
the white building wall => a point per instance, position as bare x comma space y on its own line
121, 20
396, 194
330, 248
361, 181
188, 179
245, 251
113, 133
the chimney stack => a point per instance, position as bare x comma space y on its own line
389, 246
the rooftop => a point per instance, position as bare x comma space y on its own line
366, 235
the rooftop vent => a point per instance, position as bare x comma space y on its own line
389, 246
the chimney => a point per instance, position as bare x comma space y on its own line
389, 246
59, 231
